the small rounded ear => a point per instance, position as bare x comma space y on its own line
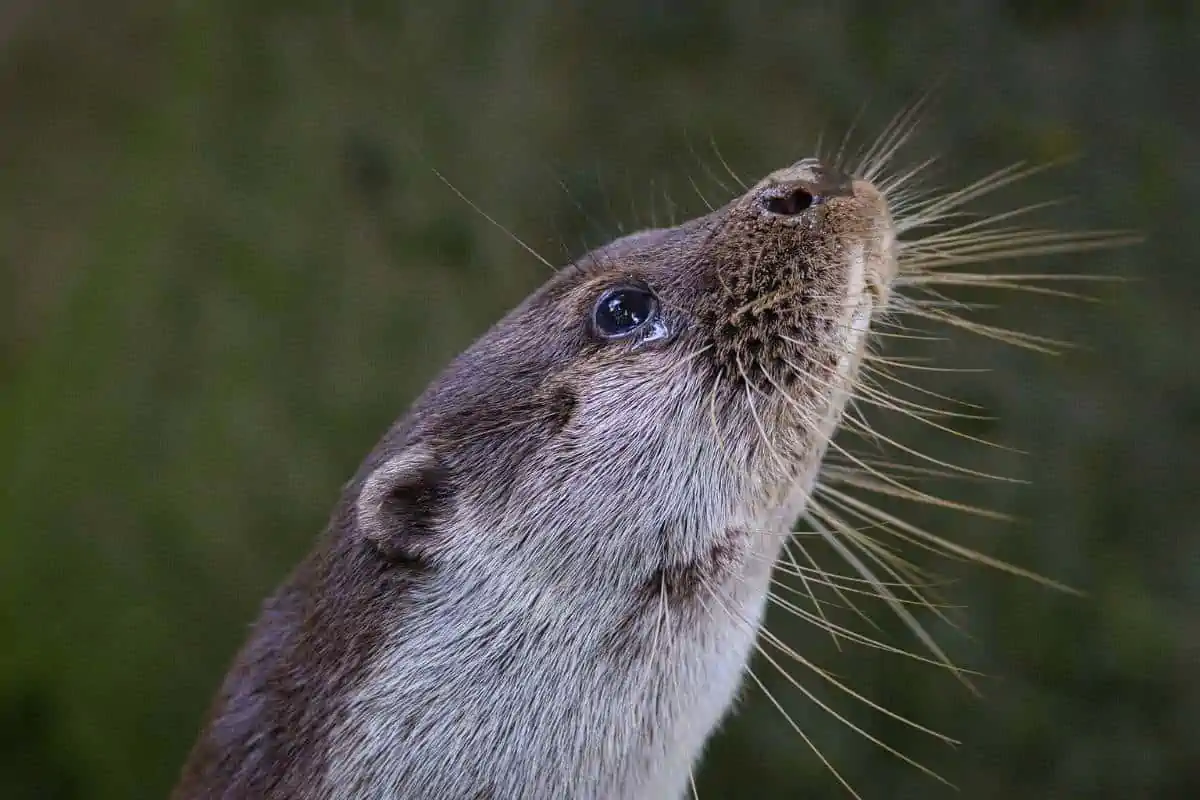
401, 503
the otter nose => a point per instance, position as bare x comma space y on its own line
794, 188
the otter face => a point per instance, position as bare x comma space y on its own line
599, 487
656, 394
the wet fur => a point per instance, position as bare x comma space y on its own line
546, 580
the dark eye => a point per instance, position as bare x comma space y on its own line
622, 311
790, 204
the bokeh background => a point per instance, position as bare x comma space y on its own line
226, 264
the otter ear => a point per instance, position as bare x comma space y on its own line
401, 503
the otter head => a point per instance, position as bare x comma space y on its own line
587, 504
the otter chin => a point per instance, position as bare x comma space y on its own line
547, 578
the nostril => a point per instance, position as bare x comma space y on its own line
790, 203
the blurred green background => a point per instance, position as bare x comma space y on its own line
226, 265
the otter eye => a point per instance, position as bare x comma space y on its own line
622, 311
790, 204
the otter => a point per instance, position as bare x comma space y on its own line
546, 579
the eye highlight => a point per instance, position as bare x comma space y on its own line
623, 310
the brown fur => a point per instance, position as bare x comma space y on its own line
557, 521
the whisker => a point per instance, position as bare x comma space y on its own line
787, 549
796, 727
829, 678
830, 582
717, 151
838, 156
700, 194
490, 219
889, 597
951, 548
896, 134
